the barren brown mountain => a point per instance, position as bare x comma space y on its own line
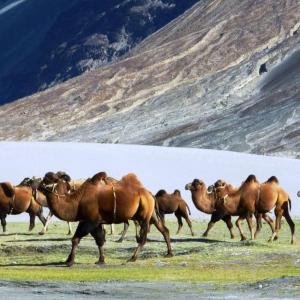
223, 75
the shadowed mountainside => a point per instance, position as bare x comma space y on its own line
196, 82
44, 43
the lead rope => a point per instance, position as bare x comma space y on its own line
115, 203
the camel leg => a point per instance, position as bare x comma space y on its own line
269, 220
213, 219
3, 222
180, 224
258, 217
112, 229
227, 220
238, 224
48, 219
188, 221
83, 229
161, 227
137, 230
278, 214
250, 225
70, 228
142, 240
41, 217
31, 221
123, 234
99, 236
290, 222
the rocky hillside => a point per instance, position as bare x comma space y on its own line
223, 75
44, 43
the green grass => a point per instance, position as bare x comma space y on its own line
28, 256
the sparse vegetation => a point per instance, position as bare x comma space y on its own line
28, 256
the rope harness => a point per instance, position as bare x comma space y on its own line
115, 203
51, 188
12, 204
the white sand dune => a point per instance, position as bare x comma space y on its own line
157, 167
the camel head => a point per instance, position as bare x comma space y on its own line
298, 194
64, 176
50, 182
195, 185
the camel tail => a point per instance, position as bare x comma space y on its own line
188, 209
156, 208
290, 204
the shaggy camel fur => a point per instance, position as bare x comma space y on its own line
95, 204
16, 200
205, 201
253, 197
173, 203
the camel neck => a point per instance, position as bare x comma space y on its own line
203, 201
63, 206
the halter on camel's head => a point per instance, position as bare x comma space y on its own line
51, 180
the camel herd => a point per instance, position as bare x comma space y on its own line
104, 200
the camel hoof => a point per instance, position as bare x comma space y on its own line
41, 233
232, 237
243, 239
276, 238
193, 234
69, 263
170, 254
132, 259
100, 262
119, 241
204, 235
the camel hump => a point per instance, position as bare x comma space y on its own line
131, 180
7, 189
160, 193
98, 177
273, 179
251, 178
177, 193
25, 182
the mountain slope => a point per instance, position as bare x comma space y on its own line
47, 42
195, 82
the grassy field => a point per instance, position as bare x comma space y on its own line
217, 259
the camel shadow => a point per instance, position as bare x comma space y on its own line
17, 233
187, 240
49, 264
40, 240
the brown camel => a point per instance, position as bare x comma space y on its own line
34, 183
16, 200
95, 204
229, 189
173, 203
205, 201
260, 198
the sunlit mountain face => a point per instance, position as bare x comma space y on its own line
47, 42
